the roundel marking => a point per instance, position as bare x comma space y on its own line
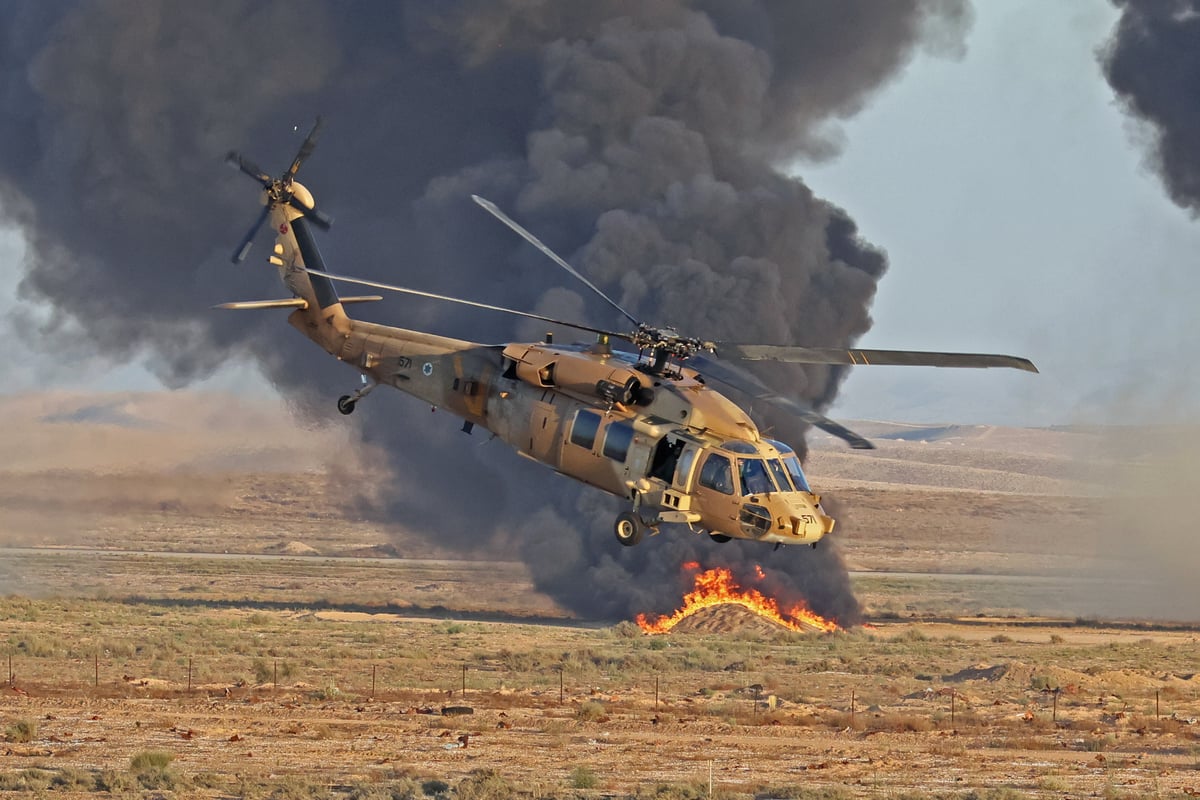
283, 228
427, 369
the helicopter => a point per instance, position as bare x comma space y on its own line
640, 422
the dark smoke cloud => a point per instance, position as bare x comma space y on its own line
1153, 63
638, 137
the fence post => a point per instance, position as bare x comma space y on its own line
189, 675
96, 668
373, 681
656, 693
561, 669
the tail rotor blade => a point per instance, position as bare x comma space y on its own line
306, 149
239, 255
237, 161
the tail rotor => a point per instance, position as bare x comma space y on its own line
279, 191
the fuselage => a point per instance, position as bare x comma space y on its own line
660, 438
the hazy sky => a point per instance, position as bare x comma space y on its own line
1011, 195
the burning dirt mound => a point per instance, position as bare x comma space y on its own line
729, 619
717, 588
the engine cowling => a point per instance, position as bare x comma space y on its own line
578, 373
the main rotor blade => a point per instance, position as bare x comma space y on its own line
306, 149
745, 382
553, 256
417, 293
235, 159
832, 355
239, 255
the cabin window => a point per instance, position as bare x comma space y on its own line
717, 474
583, 431
684, 470
617, 439
755, 479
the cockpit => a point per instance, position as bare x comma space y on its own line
758, 469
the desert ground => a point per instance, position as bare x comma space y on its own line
185, 614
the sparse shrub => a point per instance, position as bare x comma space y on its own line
1098, 744
68, 778
434, 788
677, 791
113, 782
794, 792
484, 784
582, 777
902, 723
453, 628
1056, 638
1002, 638
150, 759
22, 731
591, 711
1041, 682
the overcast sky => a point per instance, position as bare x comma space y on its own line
1010, 193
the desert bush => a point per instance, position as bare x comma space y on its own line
151, 769
1056, 638
113, 782
794, 792
591, 711
484, 784
1098, 744
68, 778
1002, 638
21, 731
583, 777
434, 788
913, 723
676, 791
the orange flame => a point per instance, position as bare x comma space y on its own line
716, 587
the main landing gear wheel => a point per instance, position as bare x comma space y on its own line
720, 538
346, 404
629, 528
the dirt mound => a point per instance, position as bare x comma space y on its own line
727, 618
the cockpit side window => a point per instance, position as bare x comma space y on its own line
717, 474
755, 479
793, 468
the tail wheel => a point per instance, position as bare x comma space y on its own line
346, 404
629, 528
719, 538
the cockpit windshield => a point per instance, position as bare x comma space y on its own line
793, 467
755, 479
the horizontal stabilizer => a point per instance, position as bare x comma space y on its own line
248, 305
295, 302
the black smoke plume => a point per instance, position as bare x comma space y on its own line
1153, 63
641, 138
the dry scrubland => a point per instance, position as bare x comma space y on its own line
321, 650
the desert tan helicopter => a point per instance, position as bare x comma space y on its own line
643, 425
